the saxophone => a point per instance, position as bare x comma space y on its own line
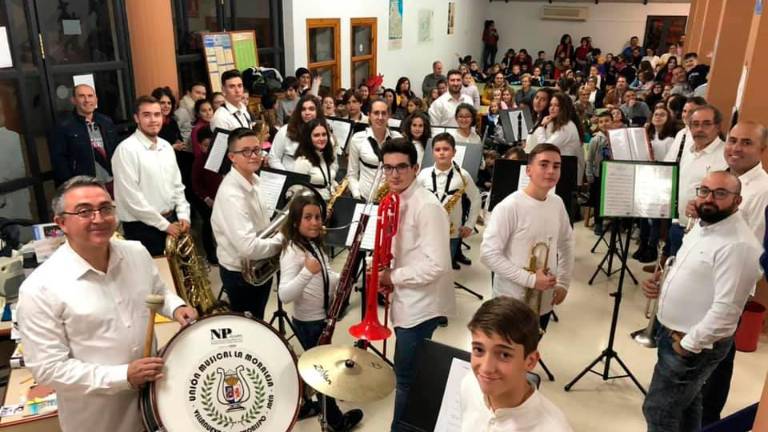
190, 276
382, 192
335, 196
455, 199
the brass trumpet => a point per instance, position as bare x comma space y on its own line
538, 260
644, 336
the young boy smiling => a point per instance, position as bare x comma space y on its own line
497, 396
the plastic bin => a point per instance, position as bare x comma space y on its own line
748, 332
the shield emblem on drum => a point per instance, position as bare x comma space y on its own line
233, 388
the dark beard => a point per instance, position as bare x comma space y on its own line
710, 213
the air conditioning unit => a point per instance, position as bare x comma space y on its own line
564, 13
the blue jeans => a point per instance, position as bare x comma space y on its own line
408, 341
244, 297
674, 401
674, 239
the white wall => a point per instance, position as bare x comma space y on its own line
610, 24
413, 60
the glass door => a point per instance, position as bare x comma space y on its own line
323, 53
363, 50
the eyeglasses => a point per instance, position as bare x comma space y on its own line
400, 168
719, 194
702, 125
89, 213
247, 152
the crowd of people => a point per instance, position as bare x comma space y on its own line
159, 183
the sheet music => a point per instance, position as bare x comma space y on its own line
638, 141
394, 123
459, 156
217, 152
449, 416
369, 237
341, 130
653, 189
513, 119
620, 148
618, 189
271, 188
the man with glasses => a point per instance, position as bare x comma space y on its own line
704, 155
82, 315
239, 215
700, 303
234, 113
365, 151
442, 112
148, 190
420, 278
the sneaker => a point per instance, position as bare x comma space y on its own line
463, 260
442, 321
349, 420
455, 265
648, 256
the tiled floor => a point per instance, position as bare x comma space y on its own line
570, 345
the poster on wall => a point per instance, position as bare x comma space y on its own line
219, 57
395, 24
451, 17
425, 25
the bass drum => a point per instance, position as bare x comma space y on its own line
224, 373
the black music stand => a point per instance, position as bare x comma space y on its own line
473, 157
281, 315
614, 250
516, 124
640, 207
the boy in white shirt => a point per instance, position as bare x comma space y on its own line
497, 396
523, 220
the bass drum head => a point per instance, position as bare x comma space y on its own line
228, 373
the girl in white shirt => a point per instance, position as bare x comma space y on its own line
315, 157
466, 118
559, 129
661, 132
308, 282
282, 154
416, 128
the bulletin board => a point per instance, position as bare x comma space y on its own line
219, 57
244, 47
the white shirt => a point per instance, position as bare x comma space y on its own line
442, 112
322, 177
674, 148
437, 186
472, 92
361, 162
282, 154
82, 327
421, 268
147, 181
535, 414
661, 146
754, 199
517, 223
473, 137
419, 151
302, 288
694, 166
230, 117
238, 217
706, 288
567, 139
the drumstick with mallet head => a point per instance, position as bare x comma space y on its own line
154, 302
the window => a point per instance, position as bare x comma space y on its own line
323, 52
363, 50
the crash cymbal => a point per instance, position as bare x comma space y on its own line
347, 373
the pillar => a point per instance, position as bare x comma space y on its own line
153, 49
709, 29
694, 25
754, 104
730, 50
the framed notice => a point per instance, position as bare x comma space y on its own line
638, 189
245, 48
219, 57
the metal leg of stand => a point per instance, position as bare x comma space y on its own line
616, 248
282, 318
601, 238
367, 345
555, 318
323, 417
462, 287
609, 353
546, 370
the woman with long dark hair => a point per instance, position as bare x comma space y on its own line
560, 129
170, 132
416, 128
403, 89
282, 155
565, 46
315, 157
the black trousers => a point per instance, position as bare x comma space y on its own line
244, 297
152, 238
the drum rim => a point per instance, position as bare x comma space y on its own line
163, 351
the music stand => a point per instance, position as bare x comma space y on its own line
623, 199
473, 157
614, 250
516, 124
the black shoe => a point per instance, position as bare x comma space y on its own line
309, 409
463, 260
638, 253
455, 265
649, 256
442, 321
349, 420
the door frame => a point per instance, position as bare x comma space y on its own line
372, 22
335, 23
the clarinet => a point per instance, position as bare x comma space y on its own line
520, 126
